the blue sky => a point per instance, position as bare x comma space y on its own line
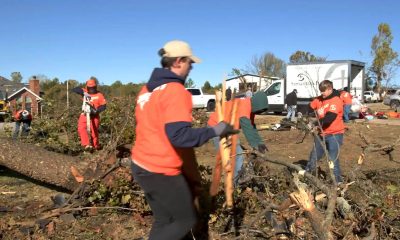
119, 39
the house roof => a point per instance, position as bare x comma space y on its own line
26, 89
8, 85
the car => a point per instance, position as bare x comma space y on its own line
392, 99
201, 100
370, 96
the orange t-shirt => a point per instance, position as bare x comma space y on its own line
243, 110
346, 97
152, 149
96, 99
18, 115
335, 105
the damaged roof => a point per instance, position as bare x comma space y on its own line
10, 86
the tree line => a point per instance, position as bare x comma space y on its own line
379, 73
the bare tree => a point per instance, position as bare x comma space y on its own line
267, 65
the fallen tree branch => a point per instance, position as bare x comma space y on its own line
321, 226
372, 231
59, 211
376, 147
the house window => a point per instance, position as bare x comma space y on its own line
28, 103
18, 103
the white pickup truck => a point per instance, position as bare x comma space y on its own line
201, 100
370, 96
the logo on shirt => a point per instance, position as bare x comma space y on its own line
145, 97
321, 110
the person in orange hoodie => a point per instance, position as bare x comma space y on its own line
165, 140
329, 111
246, 110
347, 101
23, 117
97, 104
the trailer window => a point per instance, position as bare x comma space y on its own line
274, 89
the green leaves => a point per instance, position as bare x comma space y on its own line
189, 83
305, 57
386, 59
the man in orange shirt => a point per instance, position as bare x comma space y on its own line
97, 104
23, 117
329, 111
165, 140
246, 110
347, 101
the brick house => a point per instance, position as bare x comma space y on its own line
27, 96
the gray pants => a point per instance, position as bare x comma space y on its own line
26, 126
291, 112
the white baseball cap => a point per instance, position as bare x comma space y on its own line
178, 48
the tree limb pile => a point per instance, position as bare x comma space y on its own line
45, 166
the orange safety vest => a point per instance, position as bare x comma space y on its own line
97, 99
18, 115
346, 97
152, 150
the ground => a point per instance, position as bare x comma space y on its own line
21, 199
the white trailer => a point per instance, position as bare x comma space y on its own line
306, 78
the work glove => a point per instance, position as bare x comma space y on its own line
262, 148
223, 129
313, 126
93, 111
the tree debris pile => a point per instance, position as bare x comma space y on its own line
200, 117
56, 130
263, 207
268, 203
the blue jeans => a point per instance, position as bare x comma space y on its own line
346, 112
291, 112
25, 129
239, 156
332, 143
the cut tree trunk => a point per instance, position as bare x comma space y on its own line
42, 165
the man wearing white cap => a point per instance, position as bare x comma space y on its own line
163, 151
